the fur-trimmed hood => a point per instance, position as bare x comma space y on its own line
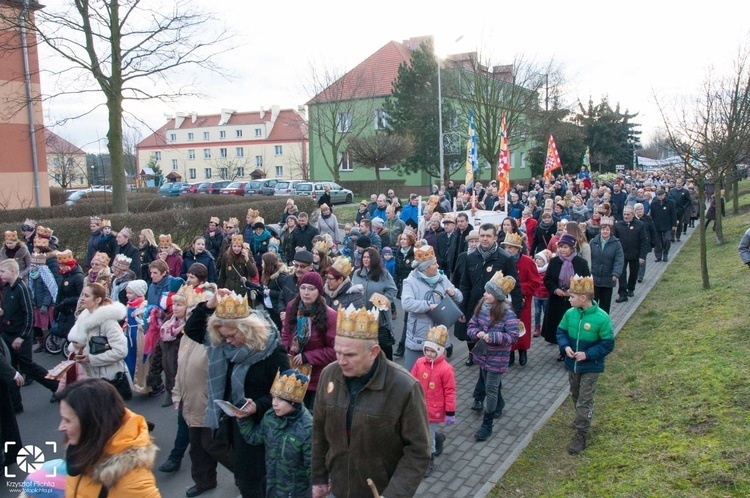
87, 321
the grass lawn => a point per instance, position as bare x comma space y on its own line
672, 413
346, 213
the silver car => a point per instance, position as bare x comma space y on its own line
339, 194
286, 188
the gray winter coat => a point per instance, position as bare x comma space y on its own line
413, 300
606, 263
385, 286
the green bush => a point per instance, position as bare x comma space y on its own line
185, 218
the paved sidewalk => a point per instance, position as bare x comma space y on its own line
532, 393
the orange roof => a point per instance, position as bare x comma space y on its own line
58, 145
373, 77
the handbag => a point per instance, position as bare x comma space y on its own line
385, 334
446, 312
480, 348
223, 433
122, 384
99, 344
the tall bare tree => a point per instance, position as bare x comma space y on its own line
379, 151
127, 50
712, 133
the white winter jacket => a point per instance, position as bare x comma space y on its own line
102, 322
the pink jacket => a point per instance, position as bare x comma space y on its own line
318, 352
439, 386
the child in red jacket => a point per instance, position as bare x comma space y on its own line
439, 384
541, 295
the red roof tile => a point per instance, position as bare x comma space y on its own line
58, 145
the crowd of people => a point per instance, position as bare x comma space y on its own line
276, 347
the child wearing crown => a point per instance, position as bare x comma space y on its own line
585, 337
286, 432
494, 327
438, 381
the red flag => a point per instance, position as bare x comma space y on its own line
553, 159
503, 162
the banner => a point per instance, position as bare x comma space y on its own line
503, 162
471, 153
553, 159
587, 159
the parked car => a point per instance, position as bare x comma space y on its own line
286, 187
189, 188
235, 188
253, 187
171, 189
203, 187
268, 186
213, 188
339, 195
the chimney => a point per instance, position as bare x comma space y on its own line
302, 111
275, 112
193, 116
262, 112
225, 115
179, 118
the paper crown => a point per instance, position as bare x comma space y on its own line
503, 283
215, 220
190, 296
94, 219
581, 285
234, 221
423, 252
380, 301
127, 232
438, 335
122, 262
250, 212
323, 246
165, 240
11, 236
43, 232
513, 239
65, 256
607, 220
433, 200
561, 225
232, 306
105, 223
341, 265
449, 218
41, 243
259, 219
237, 239
274, 241
38, 258
101, 257
357, 323
290, 386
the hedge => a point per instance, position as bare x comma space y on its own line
184, 221
364, 188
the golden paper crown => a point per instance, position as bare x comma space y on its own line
215, 219
250, 212
237, 239
380, 301
192, 298
43, 232
323, 246
105, 223
434, 199
103, 257
581, 285
41, 242
424, 252
94, 219
38, 258
449, 217
357, 323
561, 225
607, 220
505, 284
290, 386
11, 236
232, 306
65, 256
165, 240
234, 221
513, 239
122, 262
342, 265
127, 232
438, 335
259, 219
274, 240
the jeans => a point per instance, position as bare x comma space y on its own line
411, 357
540, 307
433, 430
582, 389
493, 385
181, 439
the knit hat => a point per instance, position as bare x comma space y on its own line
568, 240
274, 243
138, 287
387, 250
424, 256
364, 241
543, 256
500, 286
312, 278
354, 231
377, 222
437, 337
259, 224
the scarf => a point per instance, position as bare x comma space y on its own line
567, 271
516, 257
334, 293
487, 254
171, 329
405, 251
545, 226
302, 334
219, 358
542, 269
580, 211
431, 281
485, 307
47, 278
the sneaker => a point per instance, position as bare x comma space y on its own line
578, 444
476, 406
439, 443
157, 391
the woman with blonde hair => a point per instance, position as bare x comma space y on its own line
244, 355
237, 266
149, 251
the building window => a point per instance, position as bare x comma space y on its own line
345, 122
523, 159
173, 137
258, 161
191, 154
206, 135
240, 171
208, 172
239, 133
258, 132
157, 155
278, 150
223, 153
239, 152
381, 119
174, 164
82, 179
206, 153
345, 162
191, 136
223, 172
279, 171
191, 172
222, 134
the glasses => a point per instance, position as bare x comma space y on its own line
27, 228
230, 337
301, 267
331, 277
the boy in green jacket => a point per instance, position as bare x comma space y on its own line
585, 337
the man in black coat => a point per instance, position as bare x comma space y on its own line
664, 214
633, 236
463, 227
640, 215
126, 248
618, 200
304, 234
446, 244
303, 264
684, 206
10, 436
93, 240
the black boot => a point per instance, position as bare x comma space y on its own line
485, 430
522, 357
512, 358
439, 443
400, 350
470, 360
